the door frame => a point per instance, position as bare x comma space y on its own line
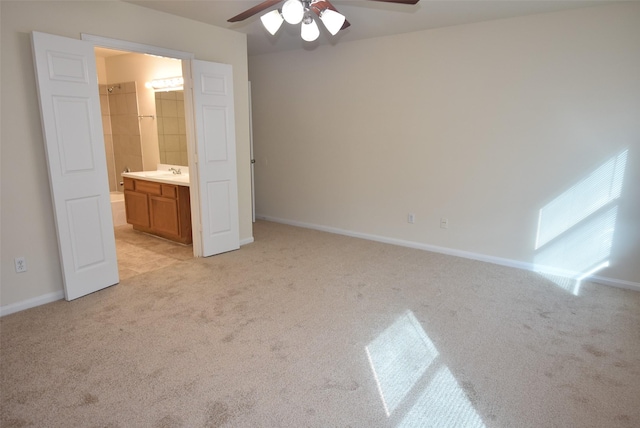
253, 159
186, 57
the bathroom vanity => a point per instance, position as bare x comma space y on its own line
158, 202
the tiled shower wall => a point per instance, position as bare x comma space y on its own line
172, 134
121, 130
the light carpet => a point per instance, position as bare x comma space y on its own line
309, 329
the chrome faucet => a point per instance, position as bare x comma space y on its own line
175, 171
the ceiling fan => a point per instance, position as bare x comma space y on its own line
296, 11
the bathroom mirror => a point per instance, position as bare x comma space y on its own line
172, 134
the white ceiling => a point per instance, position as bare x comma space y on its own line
368, 18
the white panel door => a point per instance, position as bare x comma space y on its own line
72, 126
216, 149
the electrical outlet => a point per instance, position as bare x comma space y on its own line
411, 218
21, 264
444, 223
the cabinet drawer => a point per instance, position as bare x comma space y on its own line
149, 187
129, 183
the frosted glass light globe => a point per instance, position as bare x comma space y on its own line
272, 21
309, 31
332, 20
292, 11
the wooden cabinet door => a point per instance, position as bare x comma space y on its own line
164, 215
137, 208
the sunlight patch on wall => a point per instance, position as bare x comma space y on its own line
576, 230
583, 199
584, 249
415, 387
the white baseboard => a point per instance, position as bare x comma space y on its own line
618, 283
459, 253
246, 241
31, 303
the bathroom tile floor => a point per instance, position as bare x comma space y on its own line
139, 253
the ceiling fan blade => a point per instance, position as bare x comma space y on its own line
399, 1
320, 5
256, 9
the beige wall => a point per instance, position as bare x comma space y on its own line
483, 124
27, 225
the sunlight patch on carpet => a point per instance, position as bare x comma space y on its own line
406, 364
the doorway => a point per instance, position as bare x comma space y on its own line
143, 118
211, 145
70, 109
139, 132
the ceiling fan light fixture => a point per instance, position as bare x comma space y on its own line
295, 11
309, 30
292, 11
272, 21
332, 20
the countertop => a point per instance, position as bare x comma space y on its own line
166, 177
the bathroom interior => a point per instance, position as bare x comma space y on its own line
143, 118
